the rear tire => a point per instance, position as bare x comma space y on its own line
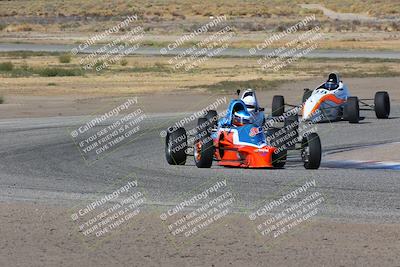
311, 151
203, 145
306, 95
278, 105
212, 117
175, 146
382, 105
352, 110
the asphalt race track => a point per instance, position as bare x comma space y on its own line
232, 52
40, 163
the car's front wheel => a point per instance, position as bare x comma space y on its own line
382, 105
274, 137
278, 106
306, 95
203, 146
176, 146
352, 110
311, 151
291, 127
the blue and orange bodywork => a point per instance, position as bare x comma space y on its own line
244, 146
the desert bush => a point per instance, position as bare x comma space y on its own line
98, 64
53, 72
6, 66
66, 58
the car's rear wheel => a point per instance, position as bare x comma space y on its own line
175, 146
203, 145
306, 95
278, 105
212, 117
382, 105
352, 110
311, 151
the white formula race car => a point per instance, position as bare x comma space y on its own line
331, 101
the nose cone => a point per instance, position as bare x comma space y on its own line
312, 105
308, 108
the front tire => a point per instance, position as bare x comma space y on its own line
278, 105
306, 95
311, 151
352, 109
382, 105
203, 145
292, 130
175, 146
278, 158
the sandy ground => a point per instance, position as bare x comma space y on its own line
44, 236
337, 15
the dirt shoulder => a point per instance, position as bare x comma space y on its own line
38, 235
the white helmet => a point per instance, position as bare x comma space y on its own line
250, 100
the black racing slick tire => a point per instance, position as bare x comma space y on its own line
212, 117
306, 95
279, 158
291, 125
278, 105
203, 145
352, 110
176, 146
280, 155
311, 151
382, 105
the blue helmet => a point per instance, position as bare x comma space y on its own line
241, 118
333, 82
330, 85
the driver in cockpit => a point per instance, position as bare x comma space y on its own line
250, 100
